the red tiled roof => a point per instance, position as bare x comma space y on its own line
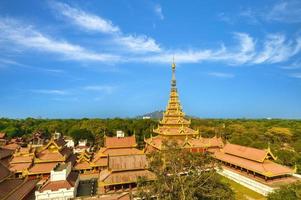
117, 142
56, 185
82, 165
19, 167
12, 146
267, 168
101, 161
245, 152
49, 155
42, 167
22, 159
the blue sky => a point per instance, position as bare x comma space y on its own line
74, 59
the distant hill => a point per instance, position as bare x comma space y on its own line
157, 115
153, 115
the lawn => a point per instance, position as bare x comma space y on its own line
241, 192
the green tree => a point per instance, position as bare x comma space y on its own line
183, 175
81, 134
287, 192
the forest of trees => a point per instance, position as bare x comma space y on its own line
283, 136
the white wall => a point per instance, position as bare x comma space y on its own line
60, 175
61, 194
247, 182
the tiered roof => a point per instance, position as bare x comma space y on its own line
116, 146
174, 122
174, 126
125, 163
83, 161
256, 160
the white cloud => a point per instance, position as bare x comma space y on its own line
277, 48
139, 43
295, 75
100, 88
91, 22
285, 11
158, 11
221, 75
50, 91
86, 20
294, 65
273, 49
27, 37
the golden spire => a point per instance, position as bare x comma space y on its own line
173, 80
174, 122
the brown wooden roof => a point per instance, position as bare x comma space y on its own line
128, 162
107, 177
4, 153
119, 142
267, 168
16, 189
4, 172
250, 153
23, 190
123, 151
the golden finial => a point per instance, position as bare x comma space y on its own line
173, 80
173, 63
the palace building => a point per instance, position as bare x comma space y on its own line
124, 164
251, 161
38, 162
174, 126
256, 162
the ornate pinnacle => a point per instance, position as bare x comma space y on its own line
173, 80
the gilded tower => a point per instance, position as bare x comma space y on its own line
173, 123
174, 126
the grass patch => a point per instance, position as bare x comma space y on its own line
241, 192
